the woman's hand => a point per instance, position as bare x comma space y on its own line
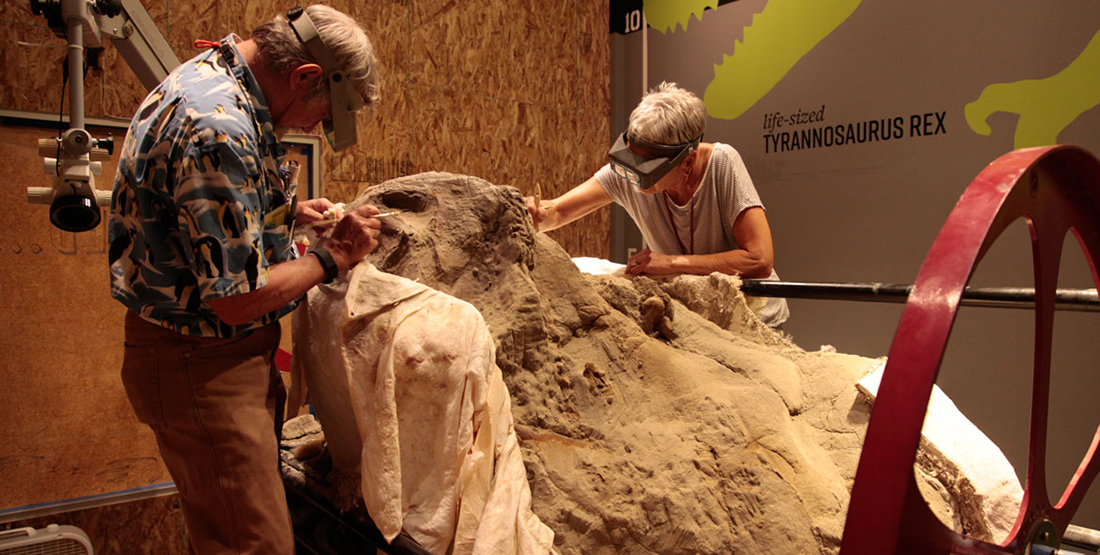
651, 263
538, 213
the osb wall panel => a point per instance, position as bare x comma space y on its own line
33, 60
533, 55
514, 92
68, 429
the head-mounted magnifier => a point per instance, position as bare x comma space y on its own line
645, 164
340, 128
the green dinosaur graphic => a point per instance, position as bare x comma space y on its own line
1045, 106
777, 38
665, 15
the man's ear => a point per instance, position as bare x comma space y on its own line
306, 77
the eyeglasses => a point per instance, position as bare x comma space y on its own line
641, 171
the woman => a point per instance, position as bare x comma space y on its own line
693, 201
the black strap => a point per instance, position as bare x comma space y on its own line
327, 262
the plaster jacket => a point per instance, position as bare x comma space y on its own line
404, 381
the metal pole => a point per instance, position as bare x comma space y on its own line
1081, 300
1076, 536
74, 21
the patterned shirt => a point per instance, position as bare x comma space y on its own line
199, 210
705, 224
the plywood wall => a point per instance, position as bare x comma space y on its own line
514, 92
66, 427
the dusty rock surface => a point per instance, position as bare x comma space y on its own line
645, 426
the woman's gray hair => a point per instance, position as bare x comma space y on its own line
282, 51
668, 115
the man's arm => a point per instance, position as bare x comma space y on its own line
286, 281
355, 236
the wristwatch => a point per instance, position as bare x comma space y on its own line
327, 262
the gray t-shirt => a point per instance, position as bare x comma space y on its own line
667, 228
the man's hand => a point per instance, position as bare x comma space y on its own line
355, 236
313, 210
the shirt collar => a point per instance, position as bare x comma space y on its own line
239, 68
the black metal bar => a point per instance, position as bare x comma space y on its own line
1082, 300
1076, 536
321, 530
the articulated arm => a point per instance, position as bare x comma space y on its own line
74, 201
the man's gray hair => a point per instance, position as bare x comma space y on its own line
668, 115
281, 50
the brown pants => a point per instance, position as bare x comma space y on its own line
212, 405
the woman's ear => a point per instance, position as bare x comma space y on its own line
689, 161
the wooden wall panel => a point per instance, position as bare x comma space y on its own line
114, 92
68, 429
382, 151
519, 51
30, 78
515, 92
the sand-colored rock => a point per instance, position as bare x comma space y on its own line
645, 426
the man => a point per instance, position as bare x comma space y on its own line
201, 254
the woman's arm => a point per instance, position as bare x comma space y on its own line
576, 203
752, 260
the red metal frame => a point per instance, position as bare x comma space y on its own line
1056, 190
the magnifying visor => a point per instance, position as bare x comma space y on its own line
340, 129
646, 163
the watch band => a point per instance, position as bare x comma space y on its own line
327, 263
